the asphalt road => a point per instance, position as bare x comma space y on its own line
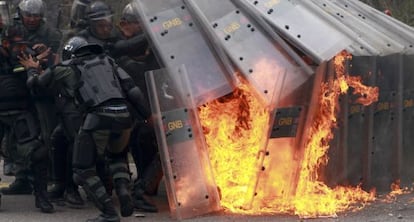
20, 208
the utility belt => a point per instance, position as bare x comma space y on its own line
111, 109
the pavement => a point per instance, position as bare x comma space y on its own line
20, 208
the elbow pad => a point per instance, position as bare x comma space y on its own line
32, 81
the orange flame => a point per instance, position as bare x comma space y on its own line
236, 129
233, 127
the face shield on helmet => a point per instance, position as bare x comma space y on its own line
129, 22
32, 7
78, 46
32, 12
129, 14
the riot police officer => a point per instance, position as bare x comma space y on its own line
17, 113
101, 90
143, 144
41, 37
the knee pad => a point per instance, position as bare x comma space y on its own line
84, 152
26, 128
81, 175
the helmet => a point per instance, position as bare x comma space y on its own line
129, 14
78, 46
98, 10
14, 33
32, 7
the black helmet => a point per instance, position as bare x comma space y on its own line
13, 32
78, 46
33, 7
98, 10
129, 14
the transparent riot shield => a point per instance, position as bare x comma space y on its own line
398, 30
302, 27
190, 185
262, 61
177, 40
359, 30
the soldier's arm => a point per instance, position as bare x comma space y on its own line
129, 46
48, 77
134, 94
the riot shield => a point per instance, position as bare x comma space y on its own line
177, 40
407, 171
387, 135
377, 20
359, 30
349, 161
303, 27
262, 61
190, 185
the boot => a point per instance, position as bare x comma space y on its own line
93, 187
125, 200
141, 201
19, 186
74, 199
107, 208
40, 188
56, 191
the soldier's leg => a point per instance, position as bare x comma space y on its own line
150, 173
71, 122
22, 185
118, 165
8, 165
58, 167
151, 170
35, 157
84, 174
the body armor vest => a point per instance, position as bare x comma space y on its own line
98, 81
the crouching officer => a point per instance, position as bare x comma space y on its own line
103, 92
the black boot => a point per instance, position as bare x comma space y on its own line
56, 191
40, 188
141, 201
124, 196
107, 208
95, 190
74, 199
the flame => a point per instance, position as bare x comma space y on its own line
396, 190
233, 127
236, 127
313, 198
